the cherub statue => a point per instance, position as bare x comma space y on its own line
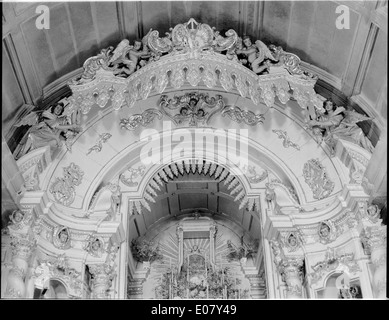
95, 246
338, 123
258, 55
61, 237
17, 216
48, 128
126, 59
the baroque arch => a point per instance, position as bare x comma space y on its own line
290, 178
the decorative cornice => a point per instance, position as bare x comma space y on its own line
189, 55
193, 108
286, 142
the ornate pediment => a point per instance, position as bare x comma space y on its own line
191, 53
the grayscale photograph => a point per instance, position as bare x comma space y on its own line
194, 150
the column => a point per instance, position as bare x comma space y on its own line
376, 241
102, 276
291, 271
212, 235
180, 238
22, 250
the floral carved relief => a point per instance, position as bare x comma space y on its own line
144, 119
316, 177
63, 189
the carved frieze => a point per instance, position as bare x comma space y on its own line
191, 53
316, 177
192, 108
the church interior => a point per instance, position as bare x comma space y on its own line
232, 150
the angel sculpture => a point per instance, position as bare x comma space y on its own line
258, 55
48, 128
126, 59
338, 123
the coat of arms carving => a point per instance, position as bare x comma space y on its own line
316, 177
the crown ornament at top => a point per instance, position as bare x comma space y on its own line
194, 40
191, 54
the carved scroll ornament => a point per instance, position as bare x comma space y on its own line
191, 53
316, 177
63, 189
193, 108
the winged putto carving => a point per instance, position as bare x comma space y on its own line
53, 127
191, 38
337, 122
192, 108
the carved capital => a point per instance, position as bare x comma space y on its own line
102, 276
22, 247
375, 237
291, 268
